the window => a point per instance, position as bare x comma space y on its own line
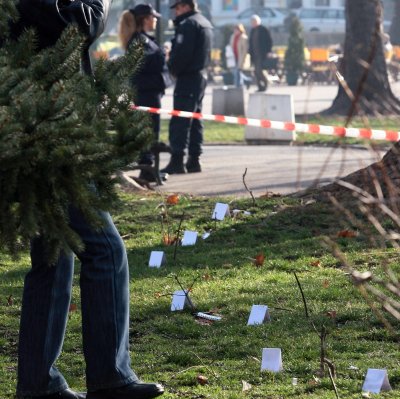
322, 2
331, 14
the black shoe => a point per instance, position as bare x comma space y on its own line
193, 165
159, 146
147, 175
135, 390
175, 165
66, 394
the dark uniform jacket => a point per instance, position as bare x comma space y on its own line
191, 45
153, 73
260, 43
50, 17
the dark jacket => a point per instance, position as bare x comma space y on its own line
191, 45
153, 71
50, 17
260, 43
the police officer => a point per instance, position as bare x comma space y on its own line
150, 81
188, 60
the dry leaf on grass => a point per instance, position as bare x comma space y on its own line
73, 307
347, 234
325, 284
203, 322
332, 314
10, 300
259, 259
202, 380
168, 240
172, 199
316, 263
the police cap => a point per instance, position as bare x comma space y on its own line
188, 2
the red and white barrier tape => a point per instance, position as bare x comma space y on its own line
361, 133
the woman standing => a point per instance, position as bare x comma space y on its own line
135, 26
239, 43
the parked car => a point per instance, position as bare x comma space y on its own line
327, 20
322, 19
272, 18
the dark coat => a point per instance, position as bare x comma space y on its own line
153, 73
260, 43
50, 17
191, 45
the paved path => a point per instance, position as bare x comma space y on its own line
280, 169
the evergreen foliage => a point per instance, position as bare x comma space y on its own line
294, 56
63, 136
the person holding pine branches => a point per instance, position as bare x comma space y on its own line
104, 279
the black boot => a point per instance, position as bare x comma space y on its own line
193, 164
175, 165
135, 390
65, 394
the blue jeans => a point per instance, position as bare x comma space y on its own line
240, 78
104, 284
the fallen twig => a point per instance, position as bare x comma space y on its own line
247, 189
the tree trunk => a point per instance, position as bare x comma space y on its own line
394, 31
365, 88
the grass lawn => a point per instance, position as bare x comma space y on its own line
174, 348
225, 133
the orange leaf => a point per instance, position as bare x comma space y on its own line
331, 314
259, 259
202, 380
73, 307
172, 199
168, 240
316, 263
347, 234
157, 294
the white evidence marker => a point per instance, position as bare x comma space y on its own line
157, 259
271, 360
259, 314
220, 211
189, 238
376, 381
179, 300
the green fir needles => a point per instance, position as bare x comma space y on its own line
63, 136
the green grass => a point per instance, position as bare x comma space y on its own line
225, 133
171, 347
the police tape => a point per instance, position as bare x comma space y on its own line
361, 133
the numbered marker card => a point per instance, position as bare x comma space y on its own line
271, 359
376, 381
180, 299
220, 211
189, 238
259, 314
157, 259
